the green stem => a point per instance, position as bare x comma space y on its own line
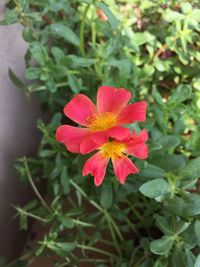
93, 203
93, 30
31, 215
22, 258
138, 216
112, 233
83, 223
33, 185
82, 29
114, 226
84, 247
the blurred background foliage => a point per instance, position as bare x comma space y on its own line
153, 49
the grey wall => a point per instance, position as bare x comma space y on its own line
18, 135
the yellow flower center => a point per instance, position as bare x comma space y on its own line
113, 149
103, 121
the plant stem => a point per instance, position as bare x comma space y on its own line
112, 233
82, 29
93, 203
33, 185
138, 216
36, 217
93, 30
97, 250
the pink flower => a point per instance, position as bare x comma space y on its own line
117, 151
101, 121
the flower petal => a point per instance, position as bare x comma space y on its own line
79, 109
110, 99
139, 151
133, 112
123, 167
139, 138
72, 137
117, 132
96, 166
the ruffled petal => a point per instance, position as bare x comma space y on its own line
110, 99
72, 137
139, 138
96, 166
79, 109
123, 167
132, 113
117, 132
139, 151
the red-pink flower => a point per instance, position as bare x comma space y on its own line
101, 121
117, 151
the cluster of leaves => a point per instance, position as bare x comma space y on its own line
153, 49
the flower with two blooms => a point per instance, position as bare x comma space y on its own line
104, 131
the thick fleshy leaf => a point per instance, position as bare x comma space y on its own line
110, 99
96, 166
123, 167
163, 245
79, 109
72, 137
132, 113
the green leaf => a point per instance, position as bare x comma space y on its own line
162, 246
81, 62
177, 257
155, 188
191, 170
197, 262
74, 83
66, 221
46, 153
11, 16
64, 180
170, 162
181, 226
152, 171
157, 96
172, 16
106, 197
62, 248
19, 83
33, 73
168, 142
195, 14
66, 33
111, 18
184, 207
163, 224
197, 230
39, 53
186, 7
181, 93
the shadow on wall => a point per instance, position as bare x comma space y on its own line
18, 136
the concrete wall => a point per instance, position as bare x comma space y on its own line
18, 135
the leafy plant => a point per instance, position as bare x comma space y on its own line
152, 49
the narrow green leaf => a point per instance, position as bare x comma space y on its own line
111, 18
106, 196
19, 83
66, 33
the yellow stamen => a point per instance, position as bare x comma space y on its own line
103, 121
113, 149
